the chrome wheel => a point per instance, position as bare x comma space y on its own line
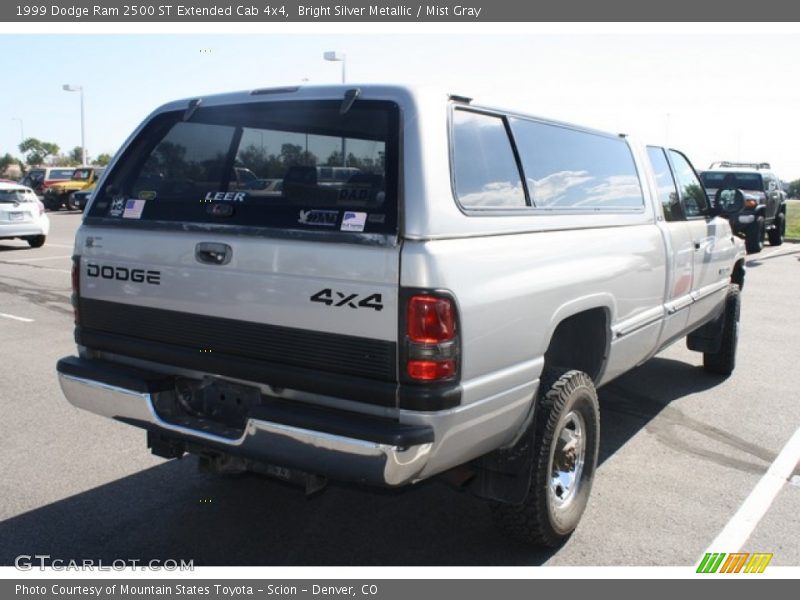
566, 461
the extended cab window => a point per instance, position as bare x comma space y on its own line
289, 165
667, 193
573, 169
486, 173
692, 193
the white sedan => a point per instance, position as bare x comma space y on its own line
22, 215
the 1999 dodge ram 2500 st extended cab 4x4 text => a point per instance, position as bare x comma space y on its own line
451, 301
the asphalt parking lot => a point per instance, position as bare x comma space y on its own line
680, 453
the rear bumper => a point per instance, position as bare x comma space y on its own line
343, 446
39, 226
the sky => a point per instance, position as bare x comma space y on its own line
713, 95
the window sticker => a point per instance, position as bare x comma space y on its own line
225, 197
147, 195
319, 218
133, 209
117, 206
354, 221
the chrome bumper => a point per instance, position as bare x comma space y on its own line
336, 456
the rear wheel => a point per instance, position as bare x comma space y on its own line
36, 241
566, 437
49, 203
72, 202
754, 241
778, 231
724, 361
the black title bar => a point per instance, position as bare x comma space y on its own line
356, 11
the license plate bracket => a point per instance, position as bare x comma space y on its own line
218, 400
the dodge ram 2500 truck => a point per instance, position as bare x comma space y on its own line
450, 304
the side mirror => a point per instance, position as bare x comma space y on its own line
728, 201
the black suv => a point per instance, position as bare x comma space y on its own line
764, 209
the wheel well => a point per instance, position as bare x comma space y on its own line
580, 342
737, 276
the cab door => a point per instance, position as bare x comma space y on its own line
713, 247
679, 248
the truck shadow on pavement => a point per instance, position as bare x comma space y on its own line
172, 511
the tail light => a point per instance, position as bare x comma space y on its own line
76, 286
431, 338
41, 208
750, 203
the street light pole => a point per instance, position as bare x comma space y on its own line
79, 88
341, 57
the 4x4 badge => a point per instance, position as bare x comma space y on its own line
330, 297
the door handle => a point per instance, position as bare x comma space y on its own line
212, 253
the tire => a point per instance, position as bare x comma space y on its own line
778, 231
49, 203
72, 202
567, 413
724, 361
36, 241
754, 240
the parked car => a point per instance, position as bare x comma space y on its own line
22, 215
267, 186
57, 195
451, 313
763, 212
39, 179
77, 200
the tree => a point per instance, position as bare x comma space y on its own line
794, 189
8, 160
37, 151
75, 156
103, 159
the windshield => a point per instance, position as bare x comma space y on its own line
300, 165
61, 174
743, 181
82, 174
16, 196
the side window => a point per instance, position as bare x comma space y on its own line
576, 170
692, 194
486, 173
667, 192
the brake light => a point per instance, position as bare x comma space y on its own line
431, 370
76, 286
431, 338
430, 319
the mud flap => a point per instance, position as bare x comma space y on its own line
708, 337
505, 475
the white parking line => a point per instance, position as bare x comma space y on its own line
24, 260
739, 528
16, 318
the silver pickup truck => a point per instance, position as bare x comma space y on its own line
436, 288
